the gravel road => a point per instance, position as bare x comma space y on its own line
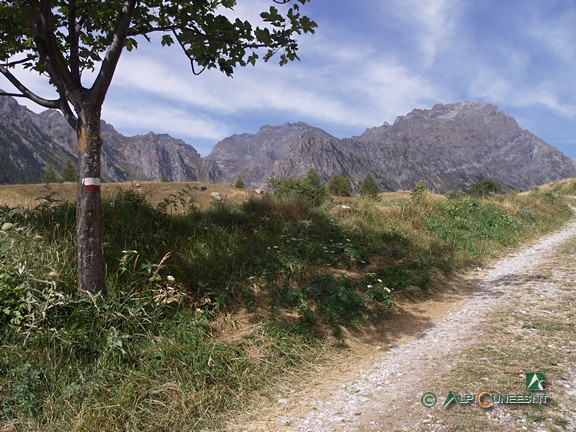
385, 394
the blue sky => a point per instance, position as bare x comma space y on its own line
369, 62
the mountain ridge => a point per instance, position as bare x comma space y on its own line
450, 146
38, 141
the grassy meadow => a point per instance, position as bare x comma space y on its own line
211, 301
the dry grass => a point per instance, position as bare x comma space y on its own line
30, 195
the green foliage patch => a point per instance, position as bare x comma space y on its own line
485, 187
310, 188
369, 187
340, 185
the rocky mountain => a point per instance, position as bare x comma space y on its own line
252, 156
32, 142
450, 146
26, 148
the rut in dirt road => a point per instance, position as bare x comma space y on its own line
386, 396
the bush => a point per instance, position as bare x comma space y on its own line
69, 172
485, 187
420, 190
239, 183
49, 176
310, 188
369, 187
340, 185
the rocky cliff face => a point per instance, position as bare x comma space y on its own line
32, 142
450, 146
252, 156
26, 147
456, 144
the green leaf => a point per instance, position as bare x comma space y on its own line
130, 44
167, 40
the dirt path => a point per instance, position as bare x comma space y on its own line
516, 317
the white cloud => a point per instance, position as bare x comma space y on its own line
546, 96
431, 23
488, 84
553, 28
168, 78
33, 81
264, 88
161, 119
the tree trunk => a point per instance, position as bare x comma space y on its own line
88, 213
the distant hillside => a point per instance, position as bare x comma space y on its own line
450, 146
252, 156
32, 142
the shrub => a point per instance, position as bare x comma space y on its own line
485, 187
420, 190
369, 187
310, 188
239, 183
340, 185
69, 172
49, 176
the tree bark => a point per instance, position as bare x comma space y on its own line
88, 212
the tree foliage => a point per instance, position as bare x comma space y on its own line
485, 187
49, 176
420, 190
369, 187
239, 184
310, 188
69, 172
339, 185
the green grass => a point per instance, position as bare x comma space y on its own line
206, 307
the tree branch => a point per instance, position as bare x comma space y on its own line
54, 55
59, 104
73, 36
68, 113
144, 32
15, 62
108, 67
27, 93
187, 55
51, 70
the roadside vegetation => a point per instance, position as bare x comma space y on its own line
210, 303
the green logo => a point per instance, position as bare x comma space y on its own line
535, 381
449, 399
428, 399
